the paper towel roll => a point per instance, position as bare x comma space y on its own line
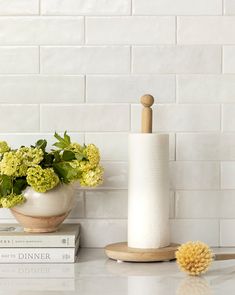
148, 192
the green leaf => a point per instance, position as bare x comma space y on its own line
5, 185
47, 160
67, 138
57, 156
66, 172
57, 136
68, 156
59, 145
41, 144
62, 142
19, 185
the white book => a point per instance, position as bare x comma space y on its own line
39, 255
13, 236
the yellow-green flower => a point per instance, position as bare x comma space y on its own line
16, 163
75, 147
12, 200
92, 154
92, 177
12, 165
4, 147
30, 156
41, 179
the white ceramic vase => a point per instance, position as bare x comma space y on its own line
44, 212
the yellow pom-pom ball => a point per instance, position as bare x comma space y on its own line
194, 258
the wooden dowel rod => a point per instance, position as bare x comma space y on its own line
147, 101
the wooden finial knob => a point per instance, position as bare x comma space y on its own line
147, 101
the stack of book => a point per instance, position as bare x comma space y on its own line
17, 246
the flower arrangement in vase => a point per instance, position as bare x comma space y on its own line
37, 185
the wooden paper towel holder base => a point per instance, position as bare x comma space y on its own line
121, 252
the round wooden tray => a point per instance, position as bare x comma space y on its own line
121, 252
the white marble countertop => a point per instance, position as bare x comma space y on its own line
94, 274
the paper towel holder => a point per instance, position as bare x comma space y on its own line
121, 251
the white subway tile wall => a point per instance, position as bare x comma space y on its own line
84, 60
206, 230
39, 30
130, 30
87, 7
229, 7
180, 117
177, 7
19, 60
82, 66
41, 89
206, 88
128, 88
176, 59
16, 7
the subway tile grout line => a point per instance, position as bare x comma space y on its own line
39, 110
221, 118
219, 235
39, 7
174, 204
128, 74
84, 204
39, 59
119, 44
85, 88
176, 89
130, 119
84, 29
175, 151
176, 30
222, 59
126, 15
131, 60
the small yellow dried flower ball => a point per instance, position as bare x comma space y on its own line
194, 258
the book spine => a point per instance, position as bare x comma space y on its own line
37, 255
37, 241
